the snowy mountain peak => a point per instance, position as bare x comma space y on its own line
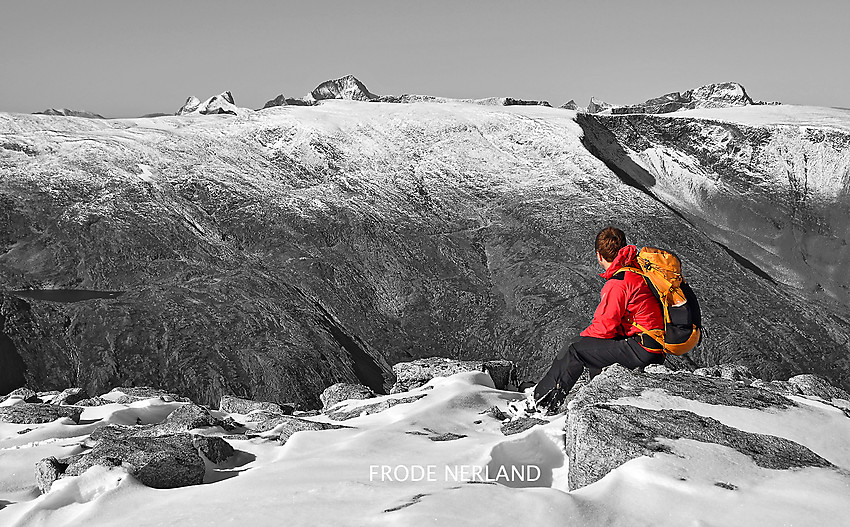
347, 87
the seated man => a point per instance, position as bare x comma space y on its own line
611, 337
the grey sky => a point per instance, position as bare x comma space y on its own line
125, 58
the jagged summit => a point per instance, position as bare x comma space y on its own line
348, 87
217, 104
717, 95
70, 113
283, 100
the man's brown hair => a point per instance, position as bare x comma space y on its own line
609, 241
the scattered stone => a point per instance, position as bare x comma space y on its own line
816, 386
294, 424
131, 394
70, 396
264, 415
521, 424
342, 412
25, 431
448, 436
94, 401
25, 394
413, 374
343, 391
216, 449
237, 405
38, 413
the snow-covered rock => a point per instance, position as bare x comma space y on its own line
30, 413
347, 87
283, 100
222, 103
415, 373
595, 105
608, 426
718, 95
65, 112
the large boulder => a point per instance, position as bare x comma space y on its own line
70, 396
415, 373
604, 431
162, 461
343, 391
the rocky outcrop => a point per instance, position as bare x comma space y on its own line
719, 95
410, 375
24, 394
604, 429
282, 100
162, 462
274, 256
70, 396
65, 112
294, 424
34, 413
238, 405
343, 391
131, 394
348, 87
222, 103
570, 105
344, 412
766, 185
595, 105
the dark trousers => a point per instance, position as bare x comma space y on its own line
595, 354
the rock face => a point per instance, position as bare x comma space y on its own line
274, 256
348, 87
603, 433
768, 184
282, 100
596, 106
65, 112
719, 95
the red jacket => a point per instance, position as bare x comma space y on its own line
625, 299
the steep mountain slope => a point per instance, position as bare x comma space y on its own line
771, 183
276, 252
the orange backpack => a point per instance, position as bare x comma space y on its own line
662, 271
